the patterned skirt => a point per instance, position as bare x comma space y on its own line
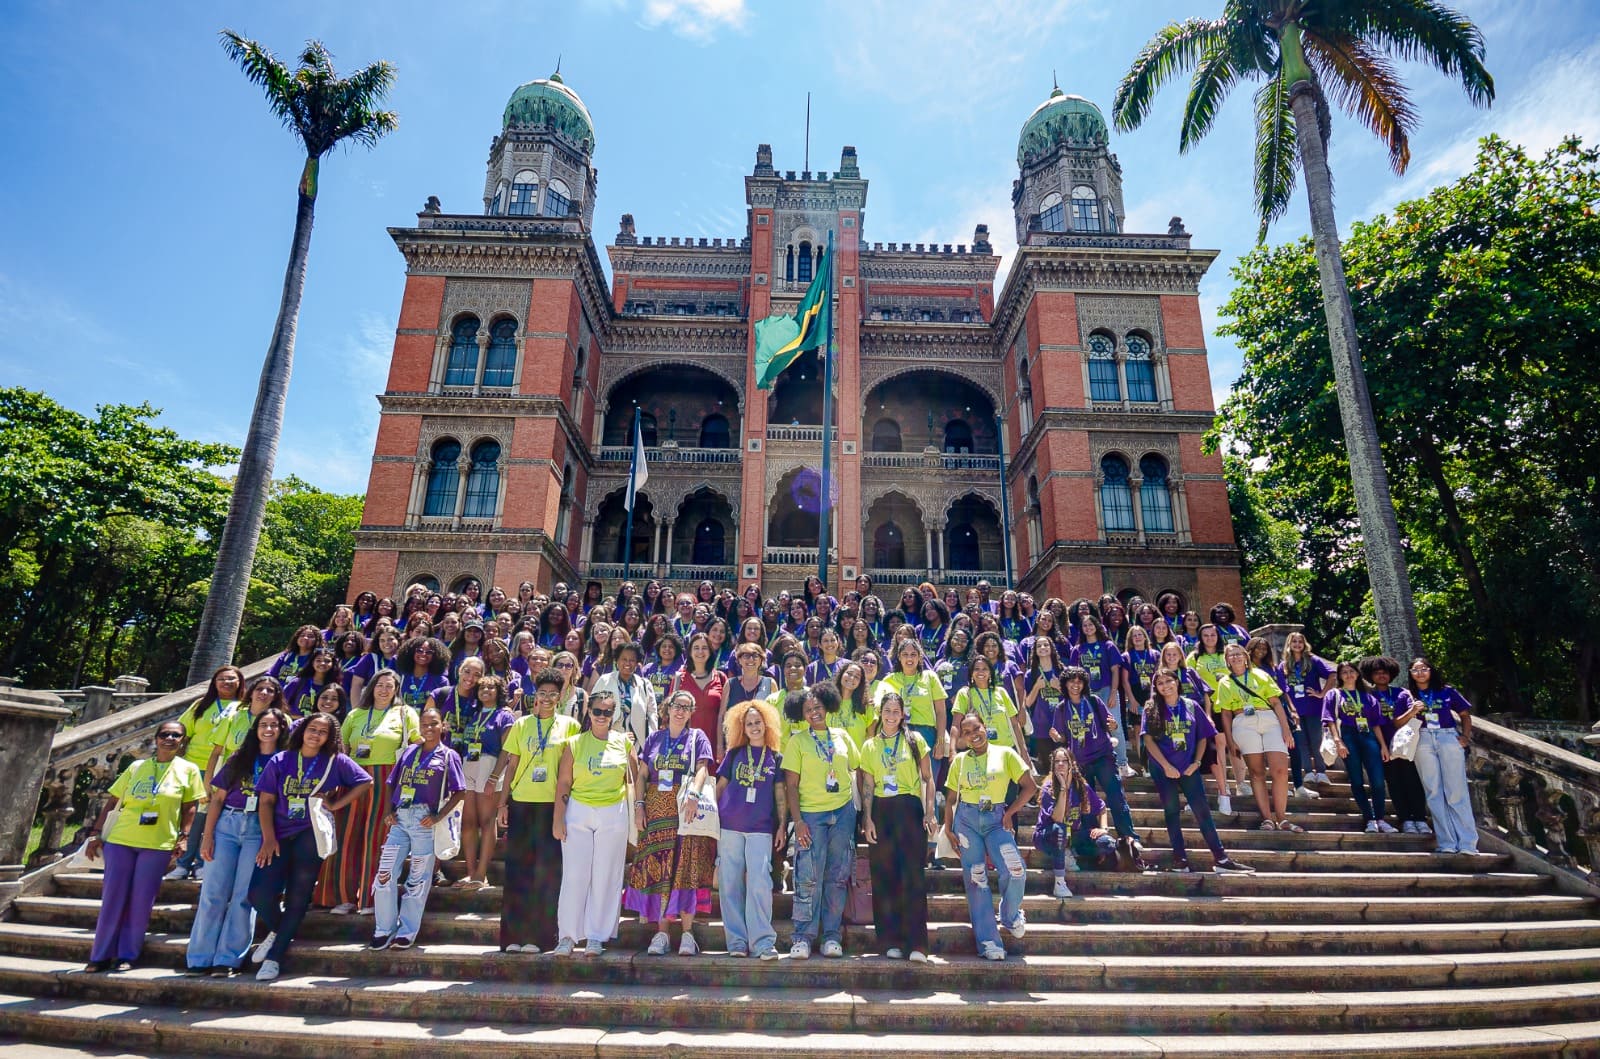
669, 875
346, 877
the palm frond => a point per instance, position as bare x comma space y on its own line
313, 101
1364, 84
1213, 79
1277, 158
1412, 31
1175, 49
263, 68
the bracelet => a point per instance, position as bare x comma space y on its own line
639, 805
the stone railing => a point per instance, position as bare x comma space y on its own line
797, 432
676, 572
1537, 797
669, 454
933, 460
792, 556
883, 575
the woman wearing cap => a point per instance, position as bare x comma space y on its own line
671, 874
897, 803
594, 785
531, 758
155, 798
984, 825
754, 820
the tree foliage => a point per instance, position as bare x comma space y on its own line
108, 524
1478, 311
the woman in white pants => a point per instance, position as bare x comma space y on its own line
1442, 756
594, 784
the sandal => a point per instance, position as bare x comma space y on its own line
1284, 825
1268, 825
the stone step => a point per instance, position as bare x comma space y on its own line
163, 1029
989, 1007
431, 962
1085, 909
954, 935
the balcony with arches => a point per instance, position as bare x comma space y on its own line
687, 415
929, 424
696, 540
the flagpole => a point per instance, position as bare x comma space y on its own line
632, 498
824, 495
1005, 501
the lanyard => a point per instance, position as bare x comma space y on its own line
543, 736
674, 748
1083, 711
159, 774
367, 727
824, 750
761, 767
985, 709
891, 755
455, 711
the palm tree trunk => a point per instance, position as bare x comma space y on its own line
1380, 530
236, 551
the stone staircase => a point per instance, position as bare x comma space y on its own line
1344, 944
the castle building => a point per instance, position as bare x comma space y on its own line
503, 447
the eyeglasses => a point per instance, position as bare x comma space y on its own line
680, 706
266, 689
601, 713
169, 735
423, 649
565, 665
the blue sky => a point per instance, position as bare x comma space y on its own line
150, 195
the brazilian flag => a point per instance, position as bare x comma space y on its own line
781, 339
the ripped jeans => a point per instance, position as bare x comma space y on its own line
979, 834
408, 841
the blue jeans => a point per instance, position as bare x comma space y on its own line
189, 860
224, 924
1308, 743
1365, 766
1442, 764
744, 874
1102, 772
1114, 704
980, 835
409, 841
824, 866
1193, 788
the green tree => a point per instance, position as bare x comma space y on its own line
322, 110
1480, 309
1305, 52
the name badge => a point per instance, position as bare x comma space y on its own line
750, 795
891, 785
250, 803
1433, 719
149, 819
474, 751
363, 750
297, 808
832, 785
407, 796
664, 780
1362, 725
540, 774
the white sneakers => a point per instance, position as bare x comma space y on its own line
800, 950
895, 954
1386, 827
1224, 805
832, 950
269, 971
992, 950
564, 947
687, 946
768, 953
918, 956
1245, 790
260, 951
1321, 777
176, 874
342, 910
1062, 890
593, 948
1019, 926
659, 944
1127, 772
1303, 791
1372, 827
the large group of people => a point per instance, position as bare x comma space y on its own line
639, 749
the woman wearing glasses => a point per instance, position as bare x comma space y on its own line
593, 796
155, 799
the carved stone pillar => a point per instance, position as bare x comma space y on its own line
1122, 374
463, 473
655, 543
1480, 770
1099, 503
667, 555
1588, 826
1135, 487
28, 723
586, 555
483, 358
1552, 815
1513, 805
1180, 511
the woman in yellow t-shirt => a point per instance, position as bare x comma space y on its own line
156, 797
986, 697
919, 688
897, 800
594, 785
1253, 719
373, 734
984, 825
531, 756
204, 724
819, 765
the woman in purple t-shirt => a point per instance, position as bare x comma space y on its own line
313, 768
1442, 756
754, 822
1175, 730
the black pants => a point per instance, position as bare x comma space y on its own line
1405, 789
1194, 790
899, 878
533, 876
281, 892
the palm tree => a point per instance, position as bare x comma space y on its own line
1306, 51
323, 110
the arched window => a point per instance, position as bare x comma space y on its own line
443, 480
557, 200
1155, 498
524, 194
1085, 209
709, 543
1033, 489
427, 581
462, 368
788, 264
483, 481
1102, 369
499, 201
803, 272
1024, 396
714, 432
501, 367
1141, 370
647, 430
886, 436
1052, 215
889, 547
961, 547
1116, 495
957, 436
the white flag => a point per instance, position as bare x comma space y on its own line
638, 474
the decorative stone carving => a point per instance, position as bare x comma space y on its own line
1133, 446
875, 372
485, 299
447, 567
1117, 314
468, 430
1552, 816
616, 368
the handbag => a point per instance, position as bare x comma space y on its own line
1405, 741
943, 847
858, 899
323, 824
81, 858
708, 824
1329, 750
447, 835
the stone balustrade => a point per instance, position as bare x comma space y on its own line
1536, 796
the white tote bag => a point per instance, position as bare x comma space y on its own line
323, 824
708, 823
447, 835
1329, 750
1404, 743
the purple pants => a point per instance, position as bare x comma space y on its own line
127, 896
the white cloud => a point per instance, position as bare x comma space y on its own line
696, 20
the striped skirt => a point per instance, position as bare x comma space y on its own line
669, 875
346, 877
